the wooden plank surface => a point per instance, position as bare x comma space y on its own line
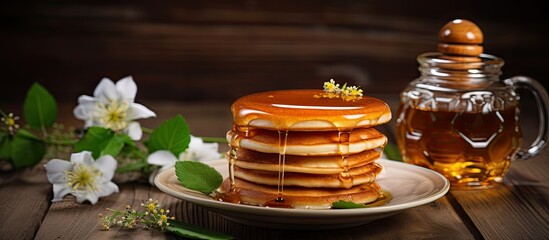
518, 210
70, 220
67, 220
22, 208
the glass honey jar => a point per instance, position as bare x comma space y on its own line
459, 119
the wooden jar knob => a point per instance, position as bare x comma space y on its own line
460, 37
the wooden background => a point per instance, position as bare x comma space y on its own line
220, 50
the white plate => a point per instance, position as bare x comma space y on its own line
410, 185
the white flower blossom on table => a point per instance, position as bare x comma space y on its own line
112, 106
198, 150
82, 177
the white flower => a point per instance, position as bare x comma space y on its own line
82, 177
200, 151
197, 151
112, 106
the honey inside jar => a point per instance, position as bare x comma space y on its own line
467, 148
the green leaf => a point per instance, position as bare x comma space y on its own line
27, 134
392, 152
26, 152
173, 135
114, 145
345, 205
198, 176
95, 140
39, 108
5, 146
195, 232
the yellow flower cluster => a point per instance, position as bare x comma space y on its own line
10, 122
158, 215
153, 217
347, 93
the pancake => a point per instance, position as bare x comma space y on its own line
304, 138
303, 164
308, 110
307, 143
305, 148
358, 175
299, 197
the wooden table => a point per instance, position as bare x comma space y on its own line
517, 210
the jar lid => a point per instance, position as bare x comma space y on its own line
461, 40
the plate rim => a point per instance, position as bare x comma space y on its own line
248, 209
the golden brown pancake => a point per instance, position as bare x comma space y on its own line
296, 144
358, 175
308, 110
306, 138
308, 143
304, 164
300, 197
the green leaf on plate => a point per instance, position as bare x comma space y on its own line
39, 108
346, 205
198, 176
172, 135
194, 232
26, 152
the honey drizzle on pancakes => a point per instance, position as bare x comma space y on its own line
279, 201
307, 110
300, 110
344, 176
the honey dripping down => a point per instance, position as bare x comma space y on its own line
232, 195
280, 201
345, 177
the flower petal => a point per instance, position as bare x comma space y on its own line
80, 112
59, 191
127, 88
105, 91
134, 131
195, 142
200, 151
55, 170
84, 157
82, 196
162, 158
86, 99
107, 189
138, 111
85, 107
107, 165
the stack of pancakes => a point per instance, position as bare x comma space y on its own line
305, 150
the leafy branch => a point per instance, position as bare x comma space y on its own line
42, 137
26, 146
